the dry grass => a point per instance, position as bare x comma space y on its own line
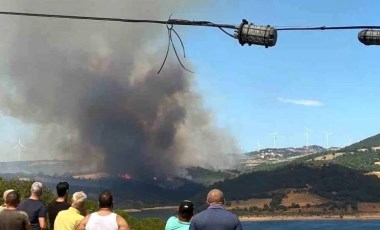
376, 173
302, 199
369, 207
250, 203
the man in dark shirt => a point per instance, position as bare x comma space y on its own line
35, 208
10, 217
59, 204
215, 216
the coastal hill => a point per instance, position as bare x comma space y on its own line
372, 142
276, 155
334, 179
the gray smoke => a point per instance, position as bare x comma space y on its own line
92, 91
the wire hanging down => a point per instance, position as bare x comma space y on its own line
245, 33
170, 42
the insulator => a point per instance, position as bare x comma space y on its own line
249, 33
369, 37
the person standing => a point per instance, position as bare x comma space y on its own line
104, 219
185, 211
35, 208
4, 197
59, 204
70, 219
215, 216
10, 217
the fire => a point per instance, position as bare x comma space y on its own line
125, 176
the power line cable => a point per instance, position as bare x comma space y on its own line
170, 21
328, 28
170, 29
246, 33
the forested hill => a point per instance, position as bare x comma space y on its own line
330, 181
369, 142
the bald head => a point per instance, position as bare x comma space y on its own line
215, 196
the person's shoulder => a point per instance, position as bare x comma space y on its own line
200, 214
119, 218
24, 202
172, 219
230, 214
66, 204
171, 222
22, 213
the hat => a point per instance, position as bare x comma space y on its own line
186, 207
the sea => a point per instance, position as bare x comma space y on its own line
282, 225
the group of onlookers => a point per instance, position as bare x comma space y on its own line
215, 217
31, 213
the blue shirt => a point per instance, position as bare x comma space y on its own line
174, 223
215, 217
34, 209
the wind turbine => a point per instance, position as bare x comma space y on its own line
274, 139
258, 145
327, 136
19, 146
307, 133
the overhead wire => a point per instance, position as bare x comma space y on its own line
171, 29
170, 21
183, 22
327, 28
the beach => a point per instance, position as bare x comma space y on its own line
322, 217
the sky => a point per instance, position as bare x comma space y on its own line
324, 81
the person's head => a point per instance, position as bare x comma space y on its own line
62, 189
36, 189
215, 197
78, 200
185, 210
6, 193
105, 200
12, 199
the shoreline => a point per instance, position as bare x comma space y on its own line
153, 208
292, 218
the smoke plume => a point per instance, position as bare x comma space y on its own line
92, 91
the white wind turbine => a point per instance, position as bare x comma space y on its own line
275, 134
327, 137
258, 145
275, 137
307, 133
19, 146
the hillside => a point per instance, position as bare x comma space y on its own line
278, 155
328, 181
130, 193
367, 143
207, 177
